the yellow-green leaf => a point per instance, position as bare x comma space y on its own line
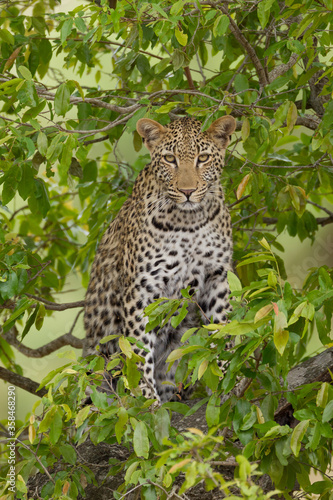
140, 440
202, 368
120, 425
25, 72
32, 433
264, 311
297, 436
125, 347
181, 36
281, 335
264, 243
322, 395
82, 415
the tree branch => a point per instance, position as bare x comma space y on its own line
40, 352
321, 221
282, 68
23, 382
52, 306
246, 45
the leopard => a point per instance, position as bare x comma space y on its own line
172, 233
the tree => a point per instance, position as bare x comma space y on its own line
267, 64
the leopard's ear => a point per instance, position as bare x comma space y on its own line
150, 131
220, 130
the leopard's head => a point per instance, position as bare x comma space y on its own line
187, 161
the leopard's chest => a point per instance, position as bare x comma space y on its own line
178, 259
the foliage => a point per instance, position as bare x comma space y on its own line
267, 64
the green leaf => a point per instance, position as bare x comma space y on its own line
82, 416
234, 282
26, 185
66, 158
259, 258
6, 36
8, 288
131, 469
80, 24
42, 143
24, 72
179, 59
297, 436
30, 322
66, 30
162, 424
280, 115
221, 25
69, 453
322, 395
315, 436
281, 336
176, 320
320, 487
177, 7
61, 99
178, 407
125, 347
100, 399
140, 440
328, 412
55, 427
213, 411
24, 305
41, 197
120, 424
131, 124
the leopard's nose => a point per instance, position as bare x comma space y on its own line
187, 192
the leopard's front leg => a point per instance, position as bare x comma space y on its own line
214, 302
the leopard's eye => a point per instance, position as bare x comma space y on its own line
170, 158
202, 158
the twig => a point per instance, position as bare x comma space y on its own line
248, 216
40, 271
38, 460
243, 390
321, 208
238, 201
174, 494
99, 139
52, 306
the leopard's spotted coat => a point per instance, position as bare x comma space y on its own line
173, 231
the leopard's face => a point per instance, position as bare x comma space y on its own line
185, 160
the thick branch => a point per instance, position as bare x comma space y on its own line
282, 68
316, 369
309, 121
22, 382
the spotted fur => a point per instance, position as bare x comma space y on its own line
173, 231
